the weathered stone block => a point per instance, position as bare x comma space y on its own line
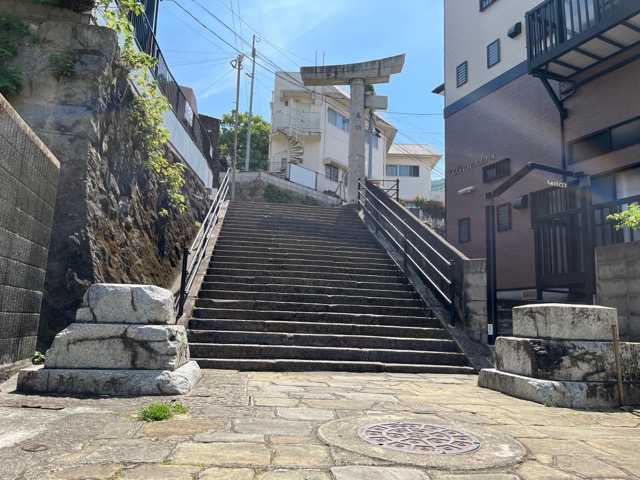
563, 322
566, 360
110, 382
119, 346
137, 304
558, 393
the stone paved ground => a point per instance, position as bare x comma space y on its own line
302, 426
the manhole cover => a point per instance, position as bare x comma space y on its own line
33, 447
420, 438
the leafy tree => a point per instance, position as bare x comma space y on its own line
432, 209
437, 184
260, 130
629, 218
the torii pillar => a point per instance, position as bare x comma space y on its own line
357, 76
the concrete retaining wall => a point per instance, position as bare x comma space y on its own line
618, 285
28, 185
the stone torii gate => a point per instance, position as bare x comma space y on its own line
357, 76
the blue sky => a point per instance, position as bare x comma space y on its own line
199, 38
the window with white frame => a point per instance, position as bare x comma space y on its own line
337, 119
403, 170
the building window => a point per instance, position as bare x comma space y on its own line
461, 74
613, 138
499, 169
332, 173
493, 53
188, 114
403, 170
337, 119
464, 230
503, 217
485, 3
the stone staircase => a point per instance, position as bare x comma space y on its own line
309, 288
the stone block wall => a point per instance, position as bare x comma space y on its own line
618, 285
28, 186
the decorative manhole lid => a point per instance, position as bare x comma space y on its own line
420, 438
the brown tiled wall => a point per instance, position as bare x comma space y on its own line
28, 185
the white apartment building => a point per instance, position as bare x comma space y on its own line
309, 141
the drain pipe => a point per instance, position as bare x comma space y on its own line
616, 353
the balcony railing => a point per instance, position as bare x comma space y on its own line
305, 123
558, 27
147, 43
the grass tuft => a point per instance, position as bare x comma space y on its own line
156, 412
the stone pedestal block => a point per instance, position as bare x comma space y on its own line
573, 361
564, 322
110, 382
125, 343
136, 304
119, 346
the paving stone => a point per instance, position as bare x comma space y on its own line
308, 414
222, 454
338, 404
97, 472
131, 451
344, 458
551, 447
588, 466
294, 475
183, 427
475, 476
306, 456
273, 427
227, 474
164, 472
293, 439
231, 437
537, 471
276, 402
378, 473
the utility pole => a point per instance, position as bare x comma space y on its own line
253, 74
370, 134
237, 63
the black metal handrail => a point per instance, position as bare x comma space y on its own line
393, 191
406, 241
147, 43
199, 246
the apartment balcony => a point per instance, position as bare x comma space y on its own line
567, 37
290, 122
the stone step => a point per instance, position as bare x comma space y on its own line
302, 273
306, 283
290, 211
304, 298
275, 222
244, 337
354, 254
400, 311
317, 327
390, 270
310, 258
318, 239
318, 248
316, 317
245, 351
294, 365
212, 289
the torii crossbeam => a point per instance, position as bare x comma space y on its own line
357, 76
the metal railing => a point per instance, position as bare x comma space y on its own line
554, 22
295, 121
393, 191
147, 43
606, 232
199, 246
416, 251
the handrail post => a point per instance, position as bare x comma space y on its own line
183, 280
359, 205
452, 293
397, 189
406, 247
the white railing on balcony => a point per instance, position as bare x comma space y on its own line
293, 121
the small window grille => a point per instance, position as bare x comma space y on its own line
493, 53
499, 169
503, 217
461, 74
485, 3
464, 230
